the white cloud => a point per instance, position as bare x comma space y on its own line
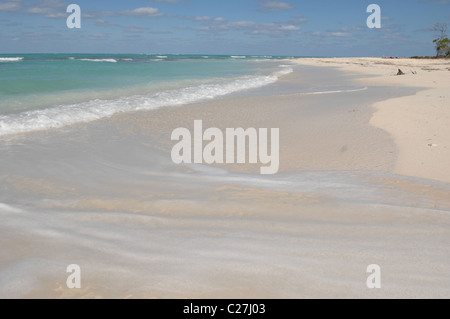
98, 37
10, 6
274, 30
207, 20
331, 34
47, 12
220, 20
356, 28
289, 28
249, 27
240, 24
275, 6
49, 9
298, 19
134, 29
143, 12
338, 34
104, 23
87, 14
204, 18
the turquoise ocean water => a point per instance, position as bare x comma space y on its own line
43, 91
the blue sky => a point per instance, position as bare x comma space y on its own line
257, 27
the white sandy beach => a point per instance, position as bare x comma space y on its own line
419, 124
106, 196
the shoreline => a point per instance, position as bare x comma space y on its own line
316, 133
105, 195
418, 123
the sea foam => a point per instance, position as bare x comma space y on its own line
63, 115
99, 60
13, 59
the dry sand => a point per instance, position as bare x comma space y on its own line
419, 124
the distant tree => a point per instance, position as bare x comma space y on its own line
442, 43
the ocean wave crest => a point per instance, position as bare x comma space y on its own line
12, 59
64, 115
99, 60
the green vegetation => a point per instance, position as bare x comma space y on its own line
442, 42
430, 57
